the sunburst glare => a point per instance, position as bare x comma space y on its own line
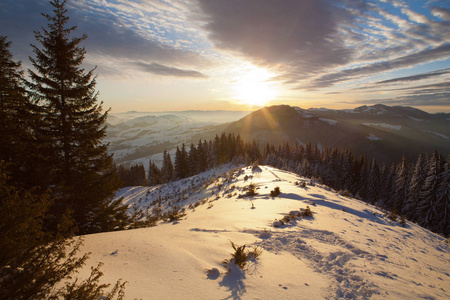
254, 87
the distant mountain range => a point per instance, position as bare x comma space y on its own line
382, 132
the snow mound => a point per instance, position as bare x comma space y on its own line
344, 249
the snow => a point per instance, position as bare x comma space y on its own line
438, 134
384, 125
373, 137
303, 113
331, 122
348, 249
416, 119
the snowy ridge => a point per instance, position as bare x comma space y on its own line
347, 249
384, 125
329, 121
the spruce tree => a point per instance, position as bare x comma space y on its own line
202, 151
72, 127
415, 187
181, 168
193, 161
426, 211
14, 115
441, 222
373, 184
167, 168
154, 174
401, 185
34, 263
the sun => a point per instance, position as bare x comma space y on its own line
254, 88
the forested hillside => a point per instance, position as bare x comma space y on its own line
418, 190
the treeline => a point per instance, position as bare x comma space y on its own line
204, 156
56, 177
418, 190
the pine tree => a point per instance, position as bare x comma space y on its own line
181, 163
415, 187
202, 151
167, 168
193, 161
442, 219
154, 174
72, 127
33, 263
426, 211
373, 183
401, 185
14, 116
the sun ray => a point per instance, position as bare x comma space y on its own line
254, 87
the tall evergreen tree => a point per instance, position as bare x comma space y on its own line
167, 168
14, 133
415, 187
72, 127
181, 163
387, 186
401, 185
426, 211
373, 183
442, 221
154, 174
33, 262
193, 161
202, 156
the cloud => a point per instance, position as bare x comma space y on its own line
315, 44
441, 12
119, 32
416, 77
162, 70
428, 55
303, 35
440, 99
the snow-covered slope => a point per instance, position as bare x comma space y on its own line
348, 249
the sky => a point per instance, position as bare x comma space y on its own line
173, 55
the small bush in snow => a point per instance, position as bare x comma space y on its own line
402, 221
251, 190
255, 166
307, 212
174, 215
286, 219
393, 215
255, 253
275, 192
345, 193
241, 255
